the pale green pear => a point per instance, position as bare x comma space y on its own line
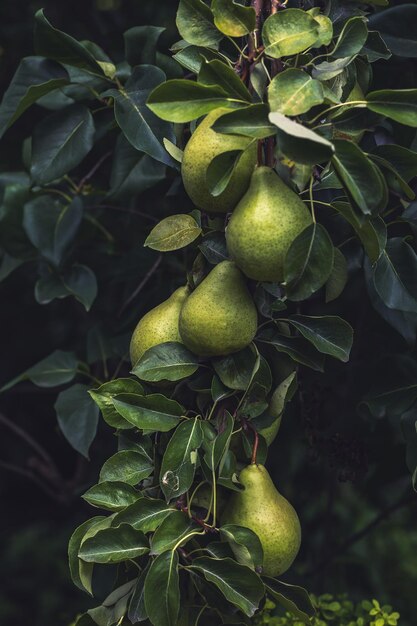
158, 325
265, 511
263, 226
202, 147
219, 317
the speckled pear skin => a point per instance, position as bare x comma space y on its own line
158, 325
262, 509
202, 147
264, 224
219, 317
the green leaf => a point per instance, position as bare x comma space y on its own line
352, 38
217, 448
104, 395
60, 143
51, 226
154, 412
329, 334
126, 466
297, 348
55, 44
250, 121
233, 19
395, 276
77, 417
293, 598
396, 392
402, 160
238, 583
338, 277
325, 26
144, 130
294, 92
371, 231
245, 545
183, 100
167, 361
146, 514
195, 23
299, 143
397, 26
173, 233
112, 496
162, 591
192, 57
289, 32
216, 73
137, 611
114, 545
78, 281
235, 370
140, 44
397, 104
360, 177
180, 459
330, 69
174, 529
35, 77
308, 263
73, 549
375, 47
221, 169
56, 369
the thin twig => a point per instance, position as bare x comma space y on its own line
141, 284
27, 474
28, 438
93, 170
124, 210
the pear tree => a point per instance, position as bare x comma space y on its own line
285, 170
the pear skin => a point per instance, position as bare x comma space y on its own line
158, 325
265, 511
219, 317
263, 226
202, 147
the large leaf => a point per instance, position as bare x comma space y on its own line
297, 348
293, 598
398, 27
173, 232
371, 231
245, 545
60, 143
34, 78
162, 591
398, 104
294, 92
180, 459
167, 361
104, 395
289, 32
112, 496
77, 417
174, 529
300, 143
308, 263
146, 514
235, 370
73, 548
126, 466
216, 73
195, 23
144, 130
154, 412
56, 369
114, 545
328, 334
250, 121
238, 583
78, 281
360, 177
183, 100
352, 38
395, 276
232, 18
140, 44
137, 610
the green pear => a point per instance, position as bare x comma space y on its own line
263, 226
158, 325
204, 145
265, 511
219, 317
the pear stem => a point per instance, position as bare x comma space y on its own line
255, 447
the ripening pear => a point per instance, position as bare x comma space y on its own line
158, 325
263, 226
265, 511
202, 147
219, 317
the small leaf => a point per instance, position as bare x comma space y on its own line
103, 396
146, 514
395, 276
233, 19
397, 26
56, 369
297, 348
308, 263
154, 412
329, 334
300, 143
338, 277
250, 121
77, 417
235, 370
114, 545
245, 545
371, 231
126, 466
293, 598
216, 73
162, 591
140, 44
73, 549
167, 361
180, 459
397, 104
137, 611
294, 92
195, 23
289, 32
112, 496
174, 529
173, 232
352, 38
221, 170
